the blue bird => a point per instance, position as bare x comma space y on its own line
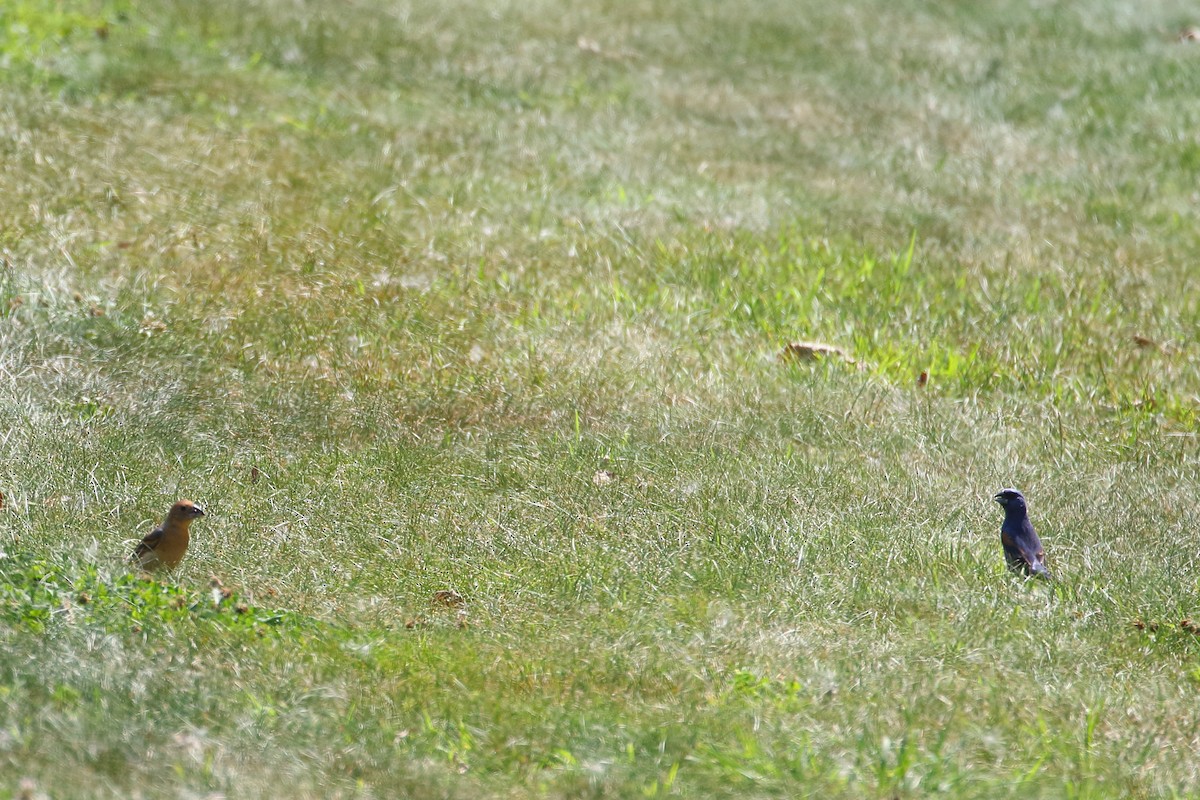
1022, 547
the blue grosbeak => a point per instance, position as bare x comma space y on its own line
1022, 547
165, 545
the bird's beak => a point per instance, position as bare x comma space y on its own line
199, 511
999, 499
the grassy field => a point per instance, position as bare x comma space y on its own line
489, 298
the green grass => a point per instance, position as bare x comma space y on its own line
387, 287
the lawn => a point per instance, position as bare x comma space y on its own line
466, 322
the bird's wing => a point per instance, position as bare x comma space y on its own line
150, 542
1029, 544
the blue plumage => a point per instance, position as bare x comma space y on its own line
1022, 547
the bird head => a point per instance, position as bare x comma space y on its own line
1011, 500
185, 510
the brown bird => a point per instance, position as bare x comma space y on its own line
164, 546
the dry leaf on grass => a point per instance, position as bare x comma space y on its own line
814, 351
603, 477
449, 597
151, 325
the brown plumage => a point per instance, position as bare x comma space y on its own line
164, 546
